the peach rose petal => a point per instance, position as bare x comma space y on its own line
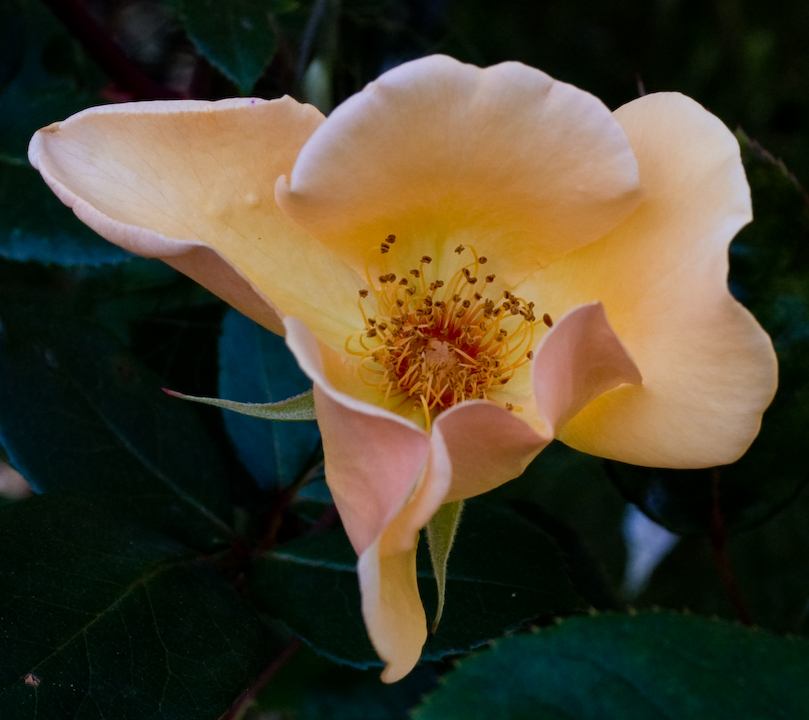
708, 368
192, 183
374, 458
391, 605
388, 478
435, 148
578, 359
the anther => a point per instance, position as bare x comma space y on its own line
426, 259
460, 249
490, 278
403, 281
391, 239
547, 320
363, 293
509, 407
530, 354
371, 333
466, 303
384, 247
383, 279
483, 259
415, 273
478, 296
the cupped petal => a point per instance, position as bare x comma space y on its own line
388, 478
391, 604
709, 370
577, 360
487, 445
374, 458
193, 183
434, 148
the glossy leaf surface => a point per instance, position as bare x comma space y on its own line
653, 666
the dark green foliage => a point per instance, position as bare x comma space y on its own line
236, 37
503, 571
78, 413
104, 620
613, 667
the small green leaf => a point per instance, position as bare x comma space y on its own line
612, 667
79, 414
300, 407
256, 365
236, 37
440, 535
105, 620
502, 572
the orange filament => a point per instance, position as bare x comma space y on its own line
432, 344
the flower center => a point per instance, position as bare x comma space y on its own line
433, 343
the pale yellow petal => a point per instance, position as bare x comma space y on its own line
193, 183
392, 609
525, 167
708, 368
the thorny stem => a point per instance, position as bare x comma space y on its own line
718, 542
102, 49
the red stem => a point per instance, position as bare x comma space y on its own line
265, 677
719, 542
101, 48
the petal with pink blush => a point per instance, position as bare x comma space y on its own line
391, 604
580, 359
709, 370
374, 458
577, 360
434, 148
193, 183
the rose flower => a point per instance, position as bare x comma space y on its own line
467, 263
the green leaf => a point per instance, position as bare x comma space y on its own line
104, 620
255, 365
613, 667
300, 407
79, 414
769, 274
503, 571
236, 37
441, 532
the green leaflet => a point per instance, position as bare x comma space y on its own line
299, 407
440, 535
